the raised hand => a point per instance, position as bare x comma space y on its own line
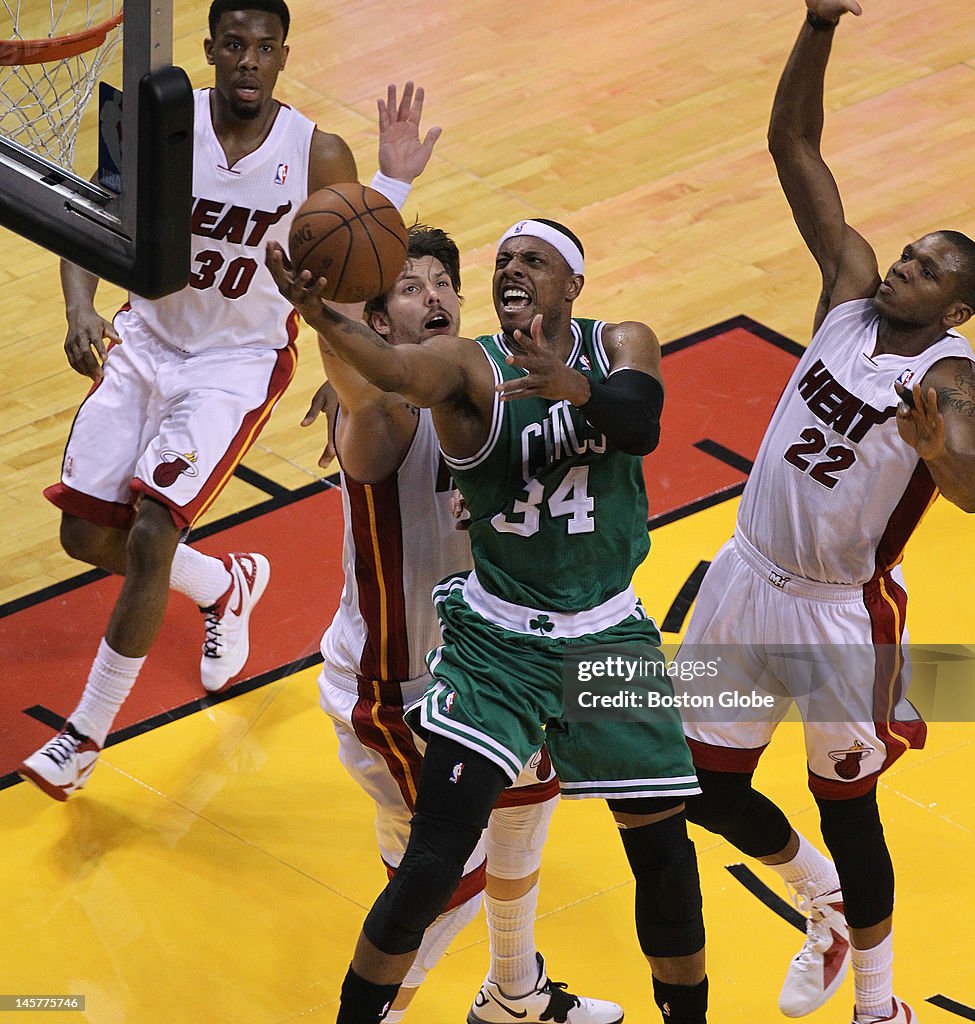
548, 376
832, 9
401, 153
921, 426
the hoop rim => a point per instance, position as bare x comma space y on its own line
45, 51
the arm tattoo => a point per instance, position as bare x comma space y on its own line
353, 327
961, 397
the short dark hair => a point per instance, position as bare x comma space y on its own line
965, 248
423, 240
220, 7
565, 231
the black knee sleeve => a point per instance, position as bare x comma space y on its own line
457, 789
730, 807
669, 921
855, 837
426, 878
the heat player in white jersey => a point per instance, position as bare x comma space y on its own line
807, 601
401, 539
189, 380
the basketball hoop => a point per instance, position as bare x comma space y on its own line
48, 69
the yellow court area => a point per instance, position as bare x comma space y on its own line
216, 870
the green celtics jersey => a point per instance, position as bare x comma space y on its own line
558, 514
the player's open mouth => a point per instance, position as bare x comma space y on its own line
437, 323
247, 93
514, 298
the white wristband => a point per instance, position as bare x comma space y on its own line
393, 189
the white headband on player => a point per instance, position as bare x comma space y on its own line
570, 252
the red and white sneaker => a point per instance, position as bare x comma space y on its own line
902, 1014
819, 968
227, 642
63, 764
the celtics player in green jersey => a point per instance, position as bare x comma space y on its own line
543, 426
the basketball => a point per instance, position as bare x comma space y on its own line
351, 235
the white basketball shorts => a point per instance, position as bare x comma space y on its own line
167, 424
834, 651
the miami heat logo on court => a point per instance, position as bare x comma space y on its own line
848, 761
173, 465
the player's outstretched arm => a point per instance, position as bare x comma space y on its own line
847, 262
940, 426
84, 343
425, 374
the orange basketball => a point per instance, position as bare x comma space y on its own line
351, 235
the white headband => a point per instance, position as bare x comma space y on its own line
555, 238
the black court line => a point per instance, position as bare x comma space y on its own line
725, 455
49, 718
740, 321
683, 511
260, 481
775, 903
952, 1006
678, 609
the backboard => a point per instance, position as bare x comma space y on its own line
129, 223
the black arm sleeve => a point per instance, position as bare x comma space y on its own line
626, 407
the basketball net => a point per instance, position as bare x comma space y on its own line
52, 54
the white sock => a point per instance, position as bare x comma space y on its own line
110, 681
810, 872
873, 979
202, 578
511, 929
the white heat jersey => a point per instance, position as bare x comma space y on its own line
400, 541
231, 299
835, 493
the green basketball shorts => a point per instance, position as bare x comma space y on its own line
499, 691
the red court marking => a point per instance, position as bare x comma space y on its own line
47, 649
721, 388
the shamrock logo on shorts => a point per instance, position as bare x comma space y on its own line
542, 623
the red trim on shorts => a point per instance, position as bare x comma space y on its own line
377, 534
836, 789
886, 603
251, 427
377, 720
291, 326
713, 758
918, 497
93, 510
469, 886
520, 796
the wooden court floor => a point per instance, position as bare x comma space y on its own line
217, 868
